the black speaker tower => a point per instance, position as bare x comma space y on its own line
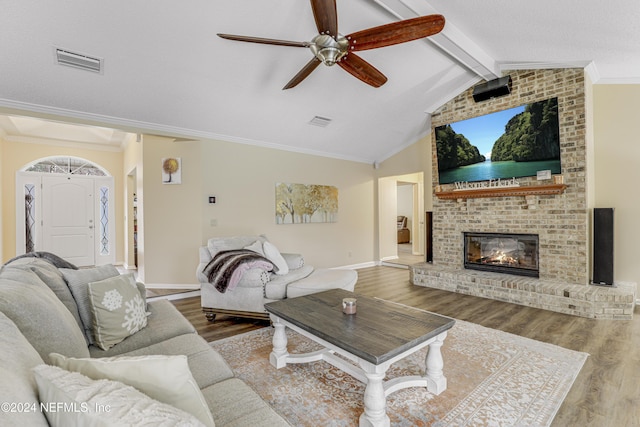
603, 246
428, 226
492, 89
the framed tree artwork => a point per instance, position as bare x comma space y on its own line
302, 203
172, 170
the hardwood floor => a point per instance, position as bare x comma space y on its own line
607, 390
405, 256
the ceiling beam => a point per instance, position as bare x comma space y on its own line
450, 40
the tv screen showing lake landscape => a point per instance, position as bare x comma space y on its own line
507, 144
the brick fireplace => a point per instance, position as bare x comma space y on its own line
559, 218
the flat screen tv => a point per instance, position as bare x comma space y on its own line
513, 143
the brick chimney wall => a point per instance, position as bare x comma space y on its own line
561, 221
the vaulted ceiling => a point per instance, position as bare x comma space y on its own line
164, 70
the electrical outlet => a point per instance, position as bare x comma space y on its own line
214, 222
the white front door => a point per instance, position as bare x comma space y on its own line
68, 218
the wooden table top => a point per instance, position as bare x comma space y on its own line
379, 331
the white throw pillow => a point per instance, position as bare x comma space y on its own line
117, 309
273, 254
255, 247
164, 378
72, 399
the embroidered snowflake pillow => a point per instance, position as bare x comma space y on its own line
117, 309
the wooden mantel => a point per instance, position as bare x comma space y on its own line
536, 190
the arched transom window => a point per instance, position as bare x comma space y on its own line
66, 165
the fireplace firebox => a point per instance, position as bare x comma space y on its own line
502, 253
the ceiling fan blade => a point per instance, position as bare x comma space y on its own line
326, 15
263, 40
396, 32
362, 70
304, 73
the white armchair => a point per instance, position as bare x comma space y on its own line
258, 286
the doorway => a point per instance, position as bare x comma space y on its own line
407, 232
65, 205
401, 196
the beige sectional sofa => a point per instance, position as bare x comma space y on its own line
56, 372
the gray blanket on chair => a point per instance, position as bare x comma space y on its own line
225, 269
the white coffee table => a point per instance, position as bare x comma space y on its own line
379, 334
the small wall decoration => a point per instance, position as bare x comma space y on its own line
172, 170
301, 203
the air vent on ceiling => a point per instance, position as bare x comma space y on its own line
320, 121
78, 60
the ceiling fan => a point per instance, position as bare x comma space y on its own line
330, 47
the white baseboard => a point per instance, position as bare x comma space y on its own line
355, 266
394, 265
187, 286
176, 296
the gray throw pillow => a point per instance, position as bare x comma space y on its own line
78, 281
117, 309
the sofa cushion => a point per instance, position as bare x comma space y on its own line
51, 276
207, 365
273, 254
101, 402
164, 322
237, 405
41, 317
277, 287
78, 281
164, 378
256, 247
294, 261
117, 309
18, 385
254, 278
217, 244
323, 279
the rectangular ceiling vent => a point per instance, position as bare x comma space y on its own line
78, 60
323, 122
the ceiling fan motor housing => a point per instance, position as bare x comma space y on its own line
329, 50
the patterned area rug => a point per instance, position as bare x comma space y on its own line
494, 379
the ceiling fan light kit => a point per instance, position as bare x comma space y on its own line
330, 47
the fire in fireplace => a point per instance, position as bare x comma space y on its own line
502, 253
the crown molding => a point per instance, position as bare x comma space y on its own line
58, 143
8, 106
541, 65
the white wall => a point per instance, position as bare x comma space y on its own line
413, 164
171, 214
387, 214
243, 178
616, 133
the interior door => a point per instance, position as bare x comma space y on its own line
67, 226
